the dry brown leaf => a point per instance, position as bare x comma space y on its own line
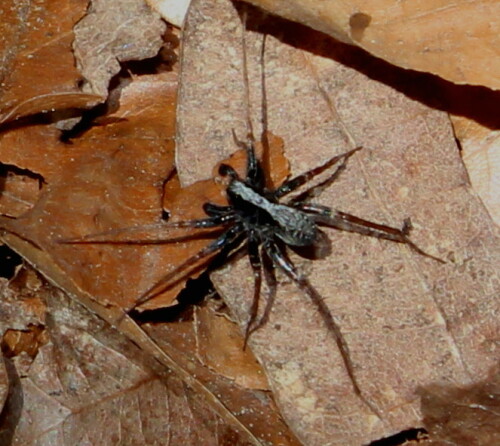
408, 320
469, 415
458, 41
38, 70
223, 350
75, 174
242, 416
243, 396
89, 375
19, 190
481, 155
91, 191
128, 30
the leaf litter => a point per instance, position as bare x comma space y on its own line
89, 375
38, 69
135, 156
291, 382
391, 305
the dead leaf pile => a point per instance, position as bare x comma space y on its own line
142, 141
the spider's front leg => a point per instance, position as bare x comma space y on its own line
254, 172
350, 223
296, 182
281, 260
113, 236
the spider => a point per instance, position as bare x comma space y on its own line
267, 222
263, 221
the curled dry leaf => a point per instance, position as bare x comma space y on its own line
173, 11
408, 321
28, 341
128, 30
481, 155
38, 70
457, 41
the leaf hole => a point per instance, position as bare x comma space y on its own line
358, 23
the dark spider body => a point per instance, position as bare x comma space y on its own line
259, 211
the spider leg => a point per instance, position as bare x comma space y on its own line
253, 253
347, 222
281, 260
254, 175
270, 277
106, 237
294, 183
225, 170
318, 189
227, 238
216, 210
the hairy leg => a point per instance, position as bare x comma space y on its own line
317, 190
268, 267
294, 183
347, 222
253, 253
110, 237
281, 260
216, 210
229, 237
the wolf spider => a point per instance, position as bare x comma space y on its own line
261, 220
258, 219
